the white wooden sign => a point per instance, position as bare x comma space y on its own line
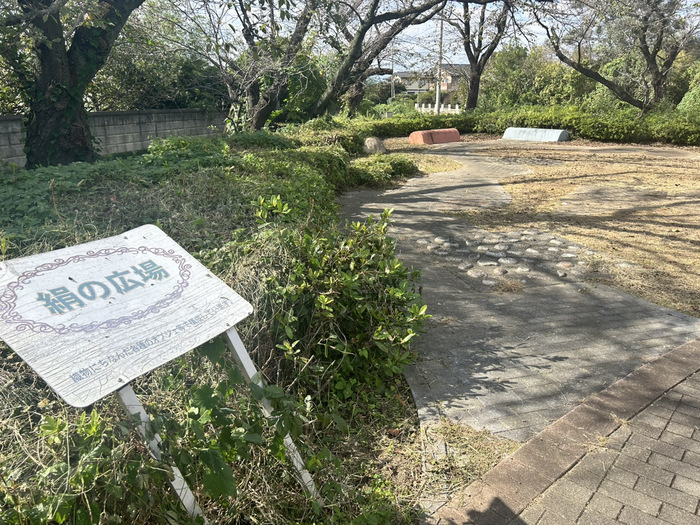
91, 318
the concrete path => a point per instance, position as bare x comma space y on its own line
518, 338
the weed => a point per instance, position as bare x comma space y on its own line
380, 170
334, 316
507, 285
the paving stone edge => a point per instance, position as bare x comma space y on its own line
507, 489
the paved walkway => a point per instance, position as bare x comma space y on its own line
519, 339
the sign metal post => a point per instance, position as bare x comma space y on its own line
131, 404
251, 375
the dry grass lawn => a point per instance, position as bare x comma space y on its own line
638, 209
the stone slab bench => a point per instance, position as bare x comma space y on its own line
434, 136
537, 134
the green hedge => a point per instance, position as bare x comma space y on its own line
604, 124
351, 134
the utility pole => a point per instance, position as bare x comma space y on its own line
393, 89
438, 84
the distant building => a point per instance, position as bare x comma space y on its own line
415, 82
420, 82
452, 74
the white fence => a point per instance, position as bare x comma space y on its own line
445, 109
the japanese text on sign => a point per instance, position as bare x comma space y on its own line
137, 347
61, 300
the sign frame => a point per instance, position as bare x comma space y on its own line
51, 313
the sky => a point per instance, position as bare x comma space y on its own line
417, 47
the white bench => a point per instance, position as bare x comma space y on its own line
536, 134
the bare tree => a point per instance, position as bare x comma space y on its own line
363, 30
481, 26
255, 44
259, 45
655, 31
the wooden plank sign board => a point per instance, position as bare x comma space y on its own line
90, 318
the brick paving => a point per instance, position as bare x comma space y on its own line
579, 373
628, 454
646, 472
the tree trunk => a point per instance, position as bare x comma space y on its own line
474, 85
473, 43
58, 131
261, 112
354, 97
264, 99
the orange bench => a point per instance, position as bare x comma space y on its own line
434, 136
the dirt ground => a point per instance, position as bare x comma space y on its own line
635, 206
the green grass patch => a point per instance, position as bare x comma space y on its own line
380, 171
335, 313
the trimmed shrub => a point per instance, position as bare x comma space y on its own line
379, 170
691, 102
337, 297
608, 125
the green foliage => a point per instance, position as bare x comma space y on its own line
402, 106
146, 70
80, 455
428, 97
507, 77
404, 126
343, 310
27, 197
334, 315
332, 161
683, 78
379, 92
603, 122
557, 84
520, 76
197, 189
172, 150
606, 120
626, 71
306, 85
87, 469
154, 78
380, 170
321, 132
221, 426
350, 134
690, 104
12, 98
674, 127
261, 139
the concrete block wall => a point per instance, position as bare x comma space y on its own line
121, 132
11, 140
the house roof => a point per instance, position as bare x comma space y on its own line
453, 69
456, 69
411, 75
